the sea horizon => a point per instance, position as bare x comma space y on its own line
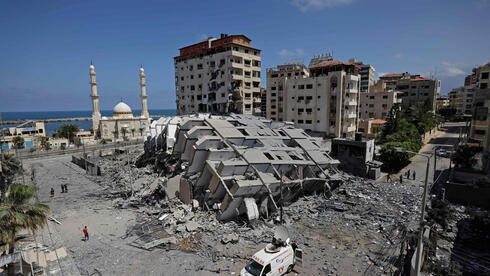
83, 125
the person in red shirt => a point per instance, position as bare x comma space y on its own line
85, 233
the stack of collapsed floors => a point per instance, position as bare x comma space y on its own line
237, 163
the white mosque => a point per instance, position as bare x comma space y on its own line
122, 125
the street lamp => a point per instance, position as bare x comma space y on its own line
422, 211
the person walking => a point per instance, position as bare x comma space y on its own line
66, 188
388, 178
414, 174
85, 233
401, 178
408, 174
52, 192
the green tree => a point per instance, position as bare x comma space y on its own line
18, 142
133, 131
18, 213
465, 156
10, 167
68, 131
141, 131
43, 140
447, 112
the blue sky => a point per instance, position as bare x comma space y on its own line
46, 46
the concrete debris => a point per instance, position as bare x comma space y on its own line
239, 162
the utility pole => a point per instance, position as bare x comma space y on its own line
280, 185
435, 161
85, 158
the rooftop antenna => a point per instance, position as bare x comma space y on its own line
91, 62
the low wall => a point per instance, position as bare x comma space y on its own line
91, 168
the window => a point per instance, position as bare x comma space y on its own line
300, 98
483, 85
308, 122
484, 75
181, 78
301, 86
309, 97
318, 109
269, 156
385, 97
309, 110
371, 97
193, 87
273, 88
300, 121
371, 105
309, 86
199, 66
385, 106
371, 115
192, 77
479, 132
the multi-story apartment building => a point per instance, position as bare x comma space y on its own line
418, 90
479, 77
218, 76
367, 75
263, 102
391, 80
480, 125
442, 102
276, 83
326, 101
377, 104
462, 99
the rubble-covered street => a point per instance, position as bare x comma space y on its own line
358, 230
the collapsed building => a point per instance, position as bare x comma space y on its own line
242, 165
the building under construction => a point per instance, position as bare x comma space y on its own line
241, 165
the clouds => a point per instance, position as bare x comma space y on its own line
451, 70
308, 5
289, 53
398, 56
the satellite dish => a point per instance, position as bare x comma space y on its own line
281, 232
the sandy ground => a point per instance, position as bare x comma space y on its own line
106, 253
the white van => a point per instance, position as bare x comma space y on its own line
274, 259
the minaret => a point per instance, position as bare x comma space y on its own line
144, 104
95, 101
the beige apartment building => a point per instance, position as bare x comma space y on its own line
377, 103
462, 99
326, 101
277, 104
219, 76
480, 125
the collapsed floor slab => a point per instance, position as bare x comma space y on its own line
234, 164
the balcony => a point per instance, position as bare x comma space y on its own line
350, 115
351, 103
350, 129
352, 78
351, 90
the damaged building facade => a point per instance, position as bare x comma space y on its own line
242, 165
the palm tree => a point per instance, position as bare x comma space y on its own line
124, 131
141, 131
132, 131
17, 213
10, 166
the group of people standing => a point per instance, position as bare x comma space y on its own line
407, 174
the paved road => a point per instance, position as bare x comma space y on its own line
446, 138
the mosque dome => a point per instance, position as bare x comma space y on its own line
122, 110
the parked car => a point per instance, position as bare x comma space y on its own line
443, 153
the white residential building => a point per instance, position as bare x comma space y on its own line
276, 83
326, 101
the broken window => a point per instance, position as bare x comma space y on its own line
268, 155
